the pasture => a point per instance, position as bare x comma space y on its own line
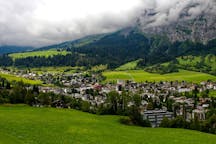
37, 53
11, 78
29, 125
141, 76
128, 66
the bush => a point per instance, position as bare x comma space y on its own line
126, 120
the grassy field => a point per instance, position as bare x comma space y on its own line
37, 53
60, 69
10, 78
128, 66
141, 76
209, 60
28, 125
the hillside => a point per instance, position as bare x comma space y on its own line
121, 47
203, 63
74, 43
129, 66
22, 124
37, 54
198, 63
13, 49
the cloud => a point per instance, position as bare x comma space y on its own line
163, 12
43, 22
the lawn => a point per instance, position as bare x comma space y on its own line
28, 125
141, 76
11, 77
37, 53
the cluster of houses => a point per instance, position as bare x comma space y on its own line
158, 92
88, 88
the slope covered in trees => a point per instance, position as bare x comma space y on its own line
118, 48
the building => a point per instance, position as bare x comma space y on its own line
199, 113
156, 116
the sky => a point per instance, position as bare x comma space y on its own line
44, 22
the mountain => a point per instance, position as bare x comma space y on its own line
152, 45
14, 49
201, 28
75, 43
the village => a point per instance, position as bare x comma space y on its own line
158, 99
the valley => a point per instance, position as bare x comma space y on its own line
114, 72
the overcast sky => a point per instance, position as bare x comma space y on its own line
44, 22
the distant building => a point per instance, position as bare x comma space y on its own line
156, 116
199, 113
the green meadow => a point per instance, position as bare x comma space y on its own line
208, 60
21, 124
37, 53
141, 76
11, 78
128, 66
58, 69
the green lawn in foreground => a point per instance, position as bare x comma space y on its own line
61, 126
140, 75
10, 77
37, 53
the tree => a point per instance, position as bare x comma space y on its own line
112, 100
165, 122
178, 122
18, 93
85, 106
212, 123
44, 99
29, 98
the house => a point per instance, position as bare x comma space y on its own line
199, 113
156, 116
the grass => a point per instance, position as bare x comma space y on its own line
23, 124
212, 93
209, 60
58, 69
190, 62
128, 66
141, 76
11, 78
37, 53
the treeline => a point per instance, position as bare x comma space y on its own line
5, 60
208, 125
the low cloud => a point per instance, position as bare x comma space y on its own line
44, 22
163, 12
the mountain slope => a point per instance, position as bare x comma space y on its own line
152, 45
13, 49
75, 43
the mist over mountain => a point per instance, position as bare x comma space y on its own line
195, 22
46, 22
